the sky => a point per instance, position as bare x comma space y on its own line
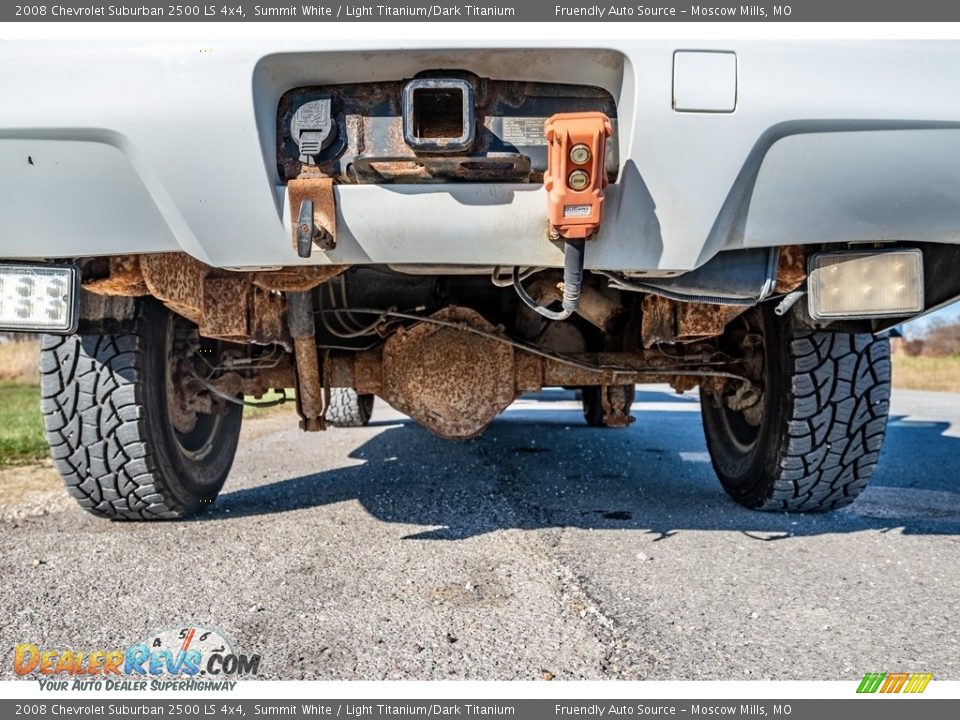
950, 313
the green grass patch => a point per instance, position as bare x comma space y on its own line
22, 441
21, 426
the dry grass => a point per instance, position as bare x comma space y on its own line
927, 373
18, 362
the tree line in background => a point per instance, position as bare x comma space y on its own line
939, 339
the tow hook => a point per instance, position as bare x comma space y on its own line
575, 181
315, 222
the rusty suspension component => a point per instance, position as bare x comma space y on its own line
453, 372
364, 371
243, 307
310, 392
233, 384
455, 387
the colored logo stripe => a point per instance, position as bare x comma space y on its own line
871, 682
894, 682
918, 682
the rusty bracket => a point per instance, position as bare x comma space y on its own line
669, 321
316, 220
791, 268
613, 399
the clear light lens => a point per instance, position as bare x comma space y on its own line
578, 180
580, 153
37, 298
859, 284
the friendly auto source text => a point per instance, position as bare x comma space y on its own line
601, 11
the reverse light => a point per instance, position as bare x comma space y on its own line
38, 298
857, 284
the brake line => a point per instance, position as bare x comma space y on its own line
618, 282
237, 401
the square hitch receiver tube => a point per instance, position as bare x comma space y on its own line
438, 115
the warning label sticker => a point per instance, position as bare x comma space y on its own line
524, 130
576, 210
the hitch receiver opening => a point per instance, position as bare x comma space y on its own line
438, 115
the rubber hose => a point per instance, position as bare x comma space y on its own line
572, 281
572, 274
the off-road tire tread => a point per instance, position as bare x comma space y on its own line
840, 400
345, 409
93, 416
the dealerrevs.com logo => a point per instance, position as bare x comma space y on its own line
189, 657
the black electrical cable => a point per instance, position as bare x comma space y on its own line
622, 283
496, 276
573, 251
533, 304
237, 401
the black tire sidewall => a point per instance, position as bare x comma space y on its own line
194, 482
746, 476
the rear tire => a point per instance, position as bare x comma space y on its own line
107, 419
814, 441
348, 408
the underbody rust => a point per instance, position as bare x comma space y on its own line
451, 381
368, 142
318, 192
311, 402
452, 370
614, 401
243, 307
791, 268
669, 321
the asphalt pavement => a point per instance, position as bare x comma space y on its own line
543, 549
